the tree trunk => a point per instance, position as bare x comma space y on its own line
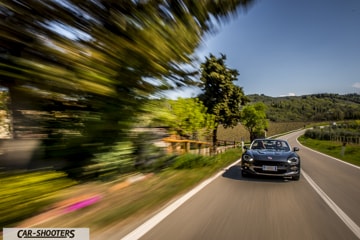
214, 139
252, 136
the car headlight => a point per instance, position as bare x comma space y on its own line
247, 158
293, 160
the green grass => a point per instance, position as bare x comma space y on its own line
23, 194
351, 154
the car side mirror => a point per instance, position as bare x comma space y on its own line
245, 147
296, 149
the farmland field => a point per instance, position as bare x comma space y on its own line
239, 133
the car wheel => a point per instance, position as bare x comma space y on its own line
296, 178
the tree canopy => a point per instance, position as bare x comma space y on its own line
86, 67
186, 117
253, 117
311, 108
220, 95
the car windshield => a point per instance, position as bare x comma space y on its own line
269, 144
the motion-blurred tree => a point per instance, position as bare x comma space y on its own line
89, 65
253, 117
220, 95
186, 117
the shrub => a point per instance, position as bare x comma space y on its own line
113, 161
25, 194
161, 163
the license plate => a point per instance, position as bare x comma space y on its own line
269, 168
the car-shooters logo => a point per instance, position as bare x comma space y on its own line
46, 233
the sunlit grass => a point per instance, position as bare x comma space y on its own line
350, 154
24, 194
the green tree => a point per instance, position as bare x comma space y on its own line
253, 117
220, 95
315, 107
186, 117
86, 67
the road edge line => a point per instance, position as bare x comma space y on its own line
153, 221
333, 158
340, 213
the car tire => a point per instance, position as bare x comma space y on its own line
244, 174
296, 178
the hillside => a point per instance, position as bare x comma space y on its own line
310, 108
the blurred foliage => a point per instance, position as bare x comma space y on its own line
140, 153
4, 98
24, 194
113, 161
80, 71
253, 117
4, 115
146, 152
220, 95
311, 108
186, 117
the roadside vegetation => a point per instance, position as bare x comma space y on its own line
24, 194
171, 176
348, 153
340, 140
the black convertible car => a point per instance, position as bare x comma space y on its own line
271, 157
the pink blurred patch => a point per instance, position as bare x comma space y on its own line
82, 204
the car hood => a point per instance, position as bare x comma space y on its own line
271, 155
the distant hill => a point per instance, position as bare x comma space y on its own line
314, 107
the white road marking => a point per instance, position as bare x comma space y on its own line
152, 222
341, 214
328, 156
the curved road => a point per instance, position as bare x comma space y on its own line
323, 204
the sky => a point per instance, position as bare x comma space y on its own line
291, 47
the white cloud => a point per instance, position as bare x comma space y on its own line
356, 85
289, 94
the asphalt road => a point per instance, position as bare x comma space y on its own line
323, 204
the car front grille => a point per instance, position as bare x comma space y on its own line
279, 171
270, 163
